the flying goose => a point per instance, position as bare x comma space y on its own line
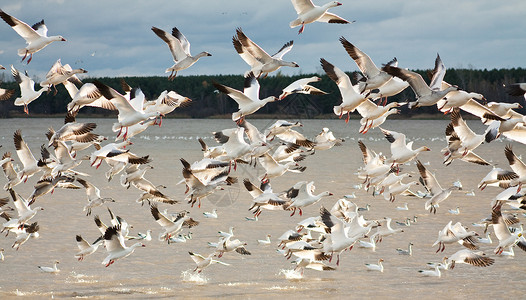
35, 36
309, 13
180, 49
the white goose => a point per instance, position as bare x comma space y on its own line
26, 157
180, 49
128, 115
263, 197
171, 227
376, 267
370, 111
301, 86
228, 245
248, 101
87, 95
266, 241
455, 233
401, 152
85, 248
409, 250
274, 169
431, 273
35, 36
211, 215
502, 232
60, 74
309, 13
301, 195
93, 195
260, 62
438, 193
25, 212
466, 256
351, 96
203, 262
27, 89
374, 77
114, 244
458, 99
505, 110
426, 95
53, 269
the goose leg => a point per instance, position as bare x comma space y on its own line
302, 28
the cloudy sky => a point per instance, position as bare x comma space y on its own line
114, 38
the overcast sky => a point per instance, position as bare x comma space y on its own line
114, 38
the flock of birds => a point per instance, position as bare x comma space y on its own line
278, 149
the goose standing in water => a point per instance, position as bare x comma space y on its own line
53, 269
376, 267
409, 250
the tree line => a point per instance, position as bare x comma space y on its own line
208, 102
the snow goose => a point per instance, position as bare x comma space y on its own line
516, 89
401, 152
114, 244
53, 269
25, 212
325, 140
203, 262
438, 193
457, 99
301, 195
210, 152
282, 129
426, 95
486, 239
301, 86
338, 238
378, 121
142, 236
398, 188
85, 248
504, 110
116, 152
60, 74
307, 263
466, 256
455, 233
11, 175
455, 149
93, 195
502, 232
455, 211
6, 94
248, 101
27, 89
513, 128
370, 111
351, 96
199, 189
23, 235
274, 169
409, 250
309, 13
180, 49
35, 36
211, 215
73, 131
403, 207
263, 197
166, 103
128, 115
260, 62
171, 227
376, 267
47, 185
431, 273
228, 245
444, 265
468, 139
517, 166
135, 177
374, 77
266, 241
87, 95
368, 245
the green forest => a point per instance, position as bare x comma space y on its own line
207, 102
